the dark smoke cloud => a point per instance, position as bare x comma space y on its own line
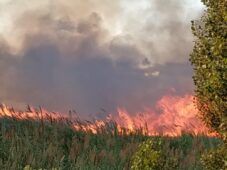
75, 63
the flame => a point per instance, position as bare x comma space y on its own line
172, 116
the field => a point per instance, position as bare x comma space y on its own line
49, 144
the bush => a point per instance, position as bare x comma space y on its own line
150, 155
215, 159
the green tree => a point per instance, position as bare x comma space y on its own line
209, 59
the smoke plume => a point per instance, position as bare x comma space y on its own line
88, 55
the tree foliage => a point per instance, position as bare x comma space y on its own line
209, 58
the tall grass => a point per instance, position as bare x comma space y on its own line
53, 143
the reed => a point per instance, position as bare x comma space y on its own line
53, 143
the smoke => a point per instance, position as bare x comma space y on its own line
89, 55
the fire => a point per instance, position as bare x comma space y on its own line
175, 116
31, 113
172, 116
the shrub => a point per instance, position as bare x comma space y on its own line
150, 155
215, 159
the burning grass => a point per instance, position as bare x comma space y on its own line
43, 140
172, 116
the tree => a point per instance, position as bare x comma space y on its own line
209, 60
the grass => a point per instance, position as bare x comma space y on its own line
51, 144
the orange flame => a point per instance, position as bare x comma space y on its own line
172, 116
176, 116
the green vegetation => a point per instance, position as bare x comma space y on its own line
182, 153
153, 154
30, 144
215, 159
209, 58
53, 144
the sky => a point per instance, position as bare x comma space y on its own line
95, 54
